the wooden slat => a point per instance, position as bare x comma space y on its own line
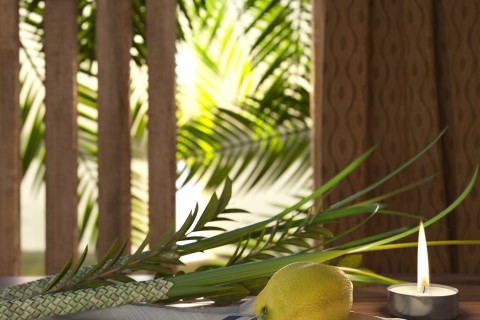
113, 33
61, 132
339, 100
161, 35
318, 56
9, 140
457, 46
403, 115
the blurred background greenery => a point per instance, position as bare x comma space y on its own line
243, 110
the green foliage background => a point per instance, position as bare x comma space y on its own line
243, 111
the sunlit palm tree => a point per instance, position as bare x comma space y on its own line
243, 106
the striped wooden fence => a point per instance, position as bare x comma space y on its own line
113, 37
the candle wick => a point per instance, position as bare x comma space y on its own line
424, 288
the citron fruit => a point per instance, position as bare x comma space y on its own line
306, 291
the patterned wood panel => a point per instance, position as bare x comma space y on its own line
61, 132
316, 101
113, 41
458, 45
403, 106
161, 36
343, 99
395, 73
10, 164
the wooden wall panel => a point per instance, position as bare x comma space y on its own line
113, 42
161, 36
61, 132
458, 51
403, 109
317, 79
339, 101
395, 73
10, 165
344, 97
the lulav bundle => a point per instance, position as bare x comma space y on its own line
262, 248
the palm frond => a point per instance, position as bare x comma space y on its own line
262, 127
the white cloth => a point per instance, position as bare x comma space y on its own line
244, 311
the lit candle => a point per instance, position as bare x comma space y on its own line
423, 269
423, 300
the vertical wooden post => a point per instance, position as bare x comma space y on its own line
61, 56
9, 140
318, 53
340, 97
161, 36
113, 41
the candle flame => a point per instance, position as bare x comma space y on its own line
423, 276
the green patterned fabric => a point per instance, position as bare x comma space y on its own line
83, 300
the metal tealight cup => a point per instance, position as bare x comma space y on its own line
416, 307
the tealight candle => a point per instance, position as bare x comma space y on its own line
423, 300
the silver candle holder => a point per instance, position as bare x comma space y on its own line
438, 302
